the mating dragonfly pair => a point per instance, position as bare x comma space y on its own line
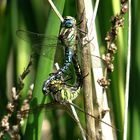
67, 40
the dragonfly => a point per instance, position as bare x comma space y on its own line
66, 39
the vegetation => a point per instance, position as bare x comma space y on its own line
16, 69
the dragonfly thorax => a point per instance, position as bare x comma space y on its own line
68, 31
55, 86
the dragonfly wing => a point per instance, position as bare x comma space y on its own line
44, 50
96, 118
98, 62
63, 106
40, 39
41, 44
35, 38
52, 106
47, 107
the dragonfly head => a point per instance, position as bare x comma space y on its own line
69, 22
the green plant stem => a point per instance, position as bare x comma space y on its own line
87, 85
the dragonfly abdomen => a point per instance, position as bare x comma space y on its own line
66, 94
78, 70
58, 74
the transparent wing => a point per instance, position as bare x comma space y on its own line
81, 110
63, 106
41, 44
46, 46
98, 62
36, 38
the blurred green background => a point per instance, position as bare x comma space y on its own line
37, 16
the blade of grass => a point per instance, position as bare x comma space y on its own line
5, 46
44, 68
118, 75
55, 10
134, 86
127, 76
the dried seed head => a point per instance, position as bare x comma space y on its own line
108, 58
110, 68
15, 136
114, 33
25, 102
15, 128
117, 21
1, 134
21, 122
113, 20
5, 123
30, 92
19, 116
123, 1
10, 107
111, 35
104, 82
112, 48
120, 22
108, 37
124, 8
24, 109
15, 97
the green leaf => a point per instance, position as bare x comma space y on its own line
34, 125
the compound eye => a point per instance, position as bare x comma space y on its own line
69, 23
